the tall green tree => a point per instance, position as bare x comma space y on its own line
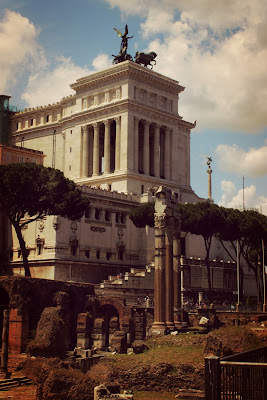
204, 219
249, 228
29, 192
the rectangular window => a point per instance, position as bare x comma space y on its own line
70, 149
69, 167
47, 118
31, 122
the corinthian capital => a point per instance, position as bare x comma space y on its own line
160, 221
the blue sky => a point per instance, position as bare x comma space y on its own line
217, 50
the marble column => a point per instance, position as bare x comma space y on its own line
169, 273
85, 161
96, 150
107, 148
167, 158
159, 324
156, 151
209, 171
177, 271
136, 144
146, 147
118, 144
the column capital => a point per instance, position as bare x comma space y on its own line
146, 122
107, 122
117, 120
95, 125
160, 221
156, 125
85, 128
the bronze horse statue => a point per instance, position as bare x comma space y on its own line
145, 58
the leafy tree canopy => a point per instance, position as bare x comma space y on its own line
143, 215
29, 192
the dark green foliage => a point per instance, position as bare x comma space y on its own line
143, 215
29, 192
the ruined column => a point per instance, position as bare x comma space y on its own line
4, 353
159, 324
169, 290
177, 271
96, 150
107, 148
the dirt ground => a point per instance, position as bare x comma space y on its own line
25, 392
149, 368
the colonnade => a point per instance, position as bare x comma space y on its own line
167, 284
93, 151
151, 153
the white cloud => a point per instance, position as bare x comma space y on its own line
234, 199
218, 50
241, 162
19, 48
51, 84
102, 61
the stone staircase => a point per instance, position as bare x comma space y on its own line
6, 384
135, 279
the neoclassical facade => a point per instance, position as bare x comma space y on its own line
119, 135
120, 131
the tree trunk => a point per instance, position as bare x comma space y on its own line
23, 249
207, 262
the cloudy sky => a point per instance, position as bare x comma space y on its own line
216, 49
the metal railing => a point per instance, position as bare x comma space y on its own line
242, 376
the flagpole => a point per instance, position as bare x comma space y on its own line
238, 277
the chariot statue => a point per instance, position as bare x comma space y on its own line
123, 55
145, 59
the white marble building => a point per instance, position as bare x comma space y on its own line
118, 136
120, 131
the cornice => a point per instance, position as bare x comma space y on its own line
120, 72
111, 111
105, 112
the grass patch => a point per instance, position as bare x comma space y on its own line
183, 348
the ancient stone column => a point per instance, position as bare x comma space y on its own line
118, 144
136, 144
159, 324
146, 148
85, 163
96, 150
156, 151
209, 171
177, 271
4, 353
167, 158
169, 273
107, 148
